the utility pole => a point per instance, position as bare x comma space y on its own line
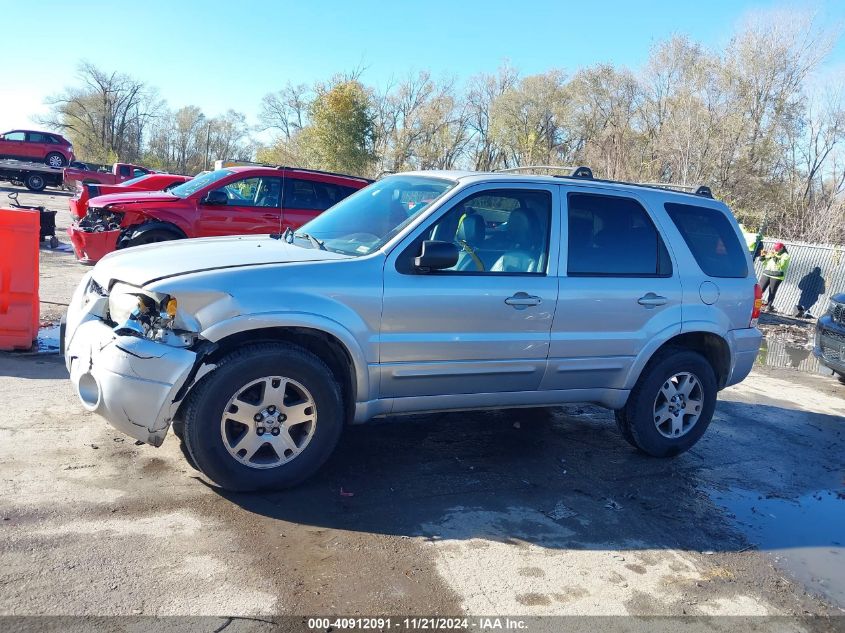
207, 145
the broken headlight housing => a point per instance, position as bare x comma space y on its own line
151, 315
98, 220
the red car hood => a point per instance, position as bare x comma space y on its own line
131, 197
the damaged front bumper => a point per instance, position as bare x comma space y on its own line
134, 383
90, 246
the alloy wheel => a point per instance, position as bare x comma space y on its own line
268, 422
678, 405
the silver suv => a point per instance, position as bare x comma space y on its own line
426, 291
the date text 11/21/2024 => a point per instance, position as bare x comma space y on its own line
417, 624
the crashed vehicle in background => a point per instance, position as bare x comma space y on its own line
148, 182
90, 173
231, 201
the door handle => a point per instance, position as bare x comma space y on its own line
271, 216
652, 300
522, 300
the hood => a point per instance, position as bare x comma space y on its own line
130, 197
140, 265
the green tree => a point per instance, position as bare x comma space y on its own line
339, 136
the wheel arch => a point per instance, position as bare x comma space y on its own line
337, 350
132, 232
712, 346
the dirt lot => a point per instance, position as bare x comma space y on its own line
439, 514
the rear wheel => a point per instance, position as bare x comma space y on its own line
671, 405
268, 417
54, 159
35, 182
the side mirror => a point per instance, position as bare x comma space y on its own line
217, 197
436, 256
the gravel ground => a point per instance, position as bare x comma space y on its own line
456, 513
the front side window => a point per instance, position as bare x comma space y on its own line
496, 232
368, 219
38, 137
123, 170
711, 239
612, 236
254, 192
137, 173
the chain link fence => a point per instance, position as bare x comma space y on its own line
815, 273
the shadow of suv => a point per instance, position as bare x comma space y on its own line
425, 291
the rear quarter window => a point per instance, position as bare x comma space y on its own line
711, 238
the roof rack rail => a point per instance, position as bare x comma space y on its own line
573, 172
313, 171
698, 190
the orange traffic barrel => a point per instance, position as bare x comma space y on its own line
19, 307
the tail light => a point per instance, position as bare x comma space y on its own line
758, 305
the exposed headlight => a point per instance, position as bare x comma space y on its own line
153, 315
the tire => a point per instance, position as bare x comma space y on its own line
672, 434
54, 159
238, 387
35, 182
624, 427
151, 237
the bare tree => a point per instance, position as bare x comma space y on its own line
104, 116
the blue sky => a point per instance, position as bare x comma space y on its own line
221, 55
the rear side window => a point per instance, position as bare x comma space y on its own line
612, 236
313, 194
711, 239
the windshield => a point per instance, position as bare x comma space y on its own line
366, 220
200, 182
132, 181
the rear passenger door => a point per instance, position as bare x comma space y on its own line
38, 145
306, 199
619, 292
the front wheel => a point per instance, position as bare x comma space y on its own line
54, 159
151, 237
671, 405
267, 418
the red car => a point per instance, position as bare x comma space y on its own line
231, 201
148, 182
47, 147
103, 174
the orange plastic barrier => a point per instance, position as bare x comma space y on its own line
19, 307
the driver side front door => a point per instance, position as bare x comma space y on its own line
483, 326
253, 207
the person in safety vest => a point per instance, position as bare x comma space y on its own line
775, 263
